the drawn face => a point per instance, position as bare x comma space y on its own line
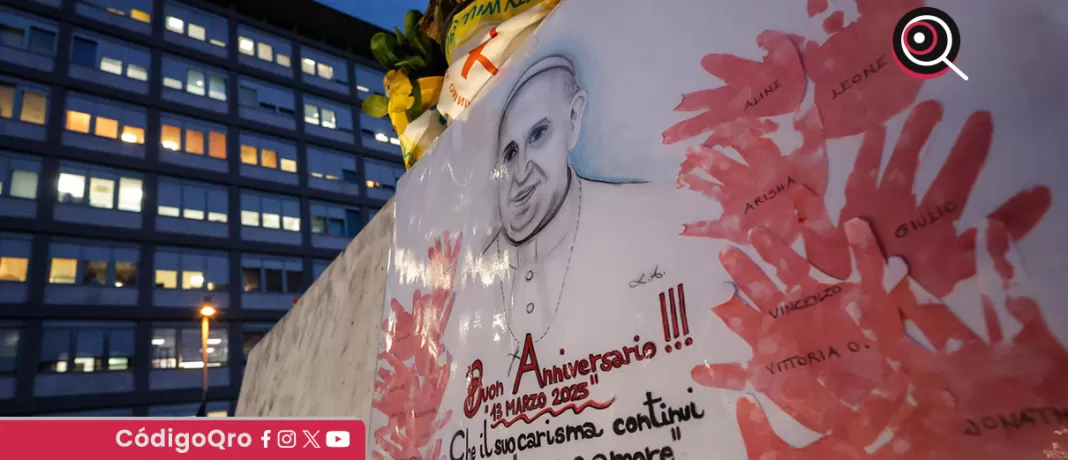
539, 128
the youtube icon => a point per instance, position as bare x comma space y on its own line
337, 439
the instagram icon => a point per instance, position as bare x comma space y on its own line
287, 439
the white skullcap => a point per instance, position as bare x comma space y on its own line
547, 63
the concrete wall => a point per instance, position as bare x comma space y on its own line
320, 359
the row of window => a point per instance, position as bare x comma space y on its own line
106, 188
90, 347
191, 27
116, 265
270, 105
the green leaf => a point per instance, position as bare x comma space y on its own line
412, 64
417, 107
401, 39
384, 48
376, 106
411, 23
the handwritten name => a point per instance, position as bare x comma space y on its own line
1031, 417
859, 77
762, 94
770, 195
815, 357
806, 302
928, 218
644, 278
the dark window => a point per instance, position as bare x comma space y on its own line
349, 176
249, 340
271, 107
42, 41
9, 350
11, 36
126, 274
251, 278
247, 97
318, 224
352, 223
286, 111
218, 287
337, 227
86, 349
83, 52
294, 281
272, 280
95, 272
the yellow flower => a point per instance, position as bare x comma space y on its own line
399, 92
430, 90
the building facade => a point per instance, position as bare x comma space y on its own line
157, 152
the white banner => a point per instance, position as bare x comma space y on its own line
742, 230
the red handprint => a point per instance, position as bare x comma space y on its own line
922, 232
411, 389
754, 193
967, 398
809, 356
772, 87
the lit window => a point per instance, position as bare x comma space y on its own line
171, 137
271, 221
381, 137
7, 101
218, 43
141, 16
248, 155
291, 224
197, 32
78, 122
282, 60
269, 159
319, 175
167, 279
311, 114
250, 218
71, 188
13, 269
175, 25
217, 88
101, 193
373, 184
329, 119
110, 65
133, 135
326, 71
308, 66
329, 177
63, 271
363, 88
246, 46
125, 274
23, 184
193, 214
136, 72
106, 127
95, 272
289, 165
116, 12
172, 83
33, 108
169, 211
216, 145
265, 52
130, 194
192, 280
394, 141
216, 217
194, 142
195, 82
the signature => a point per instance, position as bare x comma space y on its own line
647, 277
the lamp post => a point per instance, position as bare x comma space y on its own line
207, 311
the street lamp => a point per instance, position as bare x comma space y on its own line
207, 311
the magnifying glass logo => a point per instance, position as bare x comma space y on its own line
926, 42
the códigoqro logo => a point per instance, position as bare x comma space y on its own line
926, 42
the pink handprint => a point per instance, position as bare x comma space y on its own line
809, 356
410, 390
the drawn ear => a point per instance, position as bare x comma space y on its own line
578, 109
